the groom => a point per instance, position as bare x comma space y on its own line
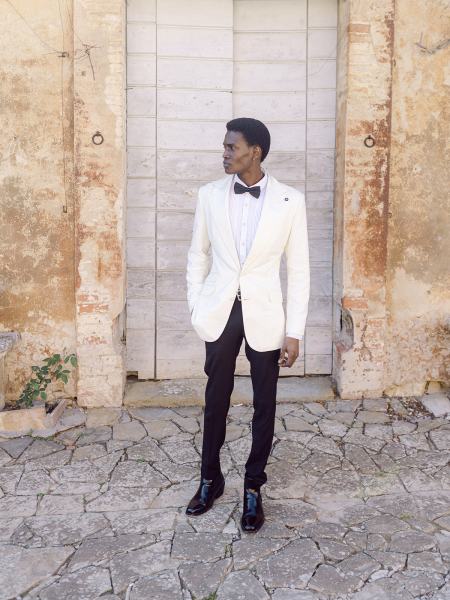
247, 220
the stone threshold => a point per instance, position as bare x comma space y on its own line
190, 392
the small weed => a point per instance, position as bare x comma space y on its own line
52, 370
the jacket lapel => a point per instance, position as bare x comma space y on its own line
265, 220
222, 213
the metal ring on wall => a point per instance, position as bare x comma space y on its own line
97, 138
369, 142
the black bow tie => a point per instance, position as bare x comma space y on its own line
255, 191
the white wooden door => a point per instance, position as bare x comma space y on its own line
191, 67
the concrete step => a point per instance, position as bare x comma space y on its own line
190, 392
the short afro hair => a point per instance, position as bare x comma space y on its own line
254, 132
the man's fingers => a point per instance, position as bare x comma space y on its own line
292, 357
282, 355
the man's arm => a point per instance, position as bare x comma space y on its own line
198, 258
298, 284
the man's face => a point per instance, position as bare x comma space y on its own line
238, 156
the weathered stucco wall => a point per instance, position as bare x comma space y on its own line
391, 272
36, 202
62, 196
100, 175
418, 266
364, 93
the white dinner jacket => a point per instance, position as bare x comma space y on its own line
211, 292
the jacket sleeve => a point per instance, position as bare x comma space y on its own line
198, 254
298, 276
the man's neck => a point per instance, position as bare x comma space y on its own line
251, 177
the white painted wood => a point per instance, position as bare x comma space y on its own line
194, 73
141, 10
194, 104
140, 351
141, 101
141, 69
141, 283
141, 192
277, 45
271, 106
194, 42
196, 13
200, 64
269, 77
141, 131
140, 222
141, 37
269, 15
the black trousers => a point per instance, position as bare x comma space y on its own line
220, 365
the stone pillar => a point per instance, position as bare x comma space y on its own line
99, 180
364, 98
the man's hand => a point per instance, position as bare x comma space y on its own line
291, 348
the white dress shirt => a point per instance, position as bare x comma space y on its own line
245, 212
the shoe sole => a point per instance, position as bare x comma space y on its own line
217, 495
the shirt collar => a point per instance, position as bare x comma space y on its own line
261, 183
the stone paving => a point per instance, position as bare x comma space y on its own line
357, 507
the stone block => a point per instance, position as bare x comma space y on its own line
182, 135
269, 77
171, 284
200, 42
194, 104
322, 13
141, 162
271, 106
140, 222
141, 283
141, 37
141, 131
278, 15
322, 43
141, 10
320, 164
198, 13
321, 104
321, 134
195, 73
287, 137
178, 195
141, 70
141, 101
141, 352
141, 192
141, 253
286, 166
189, 166
173, 315
321, 73
172, 254
277, 46
175, 226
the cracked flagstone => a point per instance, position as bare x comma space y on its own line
357, 507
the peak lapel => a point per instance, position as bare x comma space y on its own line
263, 229
223, 216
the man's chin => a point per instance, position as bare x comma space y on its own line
229, 169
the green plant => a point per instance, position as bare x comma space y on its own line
53, 369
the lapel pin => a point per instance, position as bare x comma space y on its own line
286, 199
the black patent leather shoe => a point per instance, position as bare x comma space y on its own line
204, 497
252, 514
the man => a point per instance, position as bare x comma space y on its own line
247, 220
